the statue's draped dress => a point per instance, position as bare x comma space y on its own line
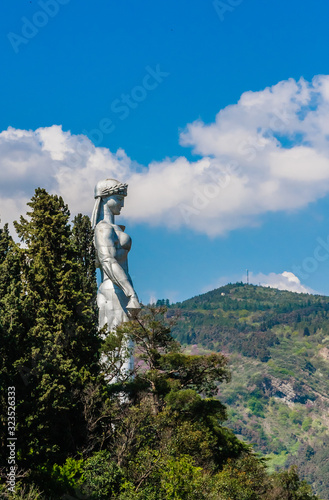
111, 300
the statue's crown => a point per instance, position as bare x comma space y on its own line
108, 187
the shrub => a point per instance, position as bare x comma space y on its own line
102, 477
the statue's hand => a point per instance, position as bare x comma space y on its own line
133, 307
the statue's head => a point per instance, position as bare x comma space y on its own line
109, 192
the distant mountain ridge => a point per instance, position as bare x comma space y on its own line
278, 345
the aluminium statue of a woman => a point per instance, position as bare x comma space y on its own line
116, 298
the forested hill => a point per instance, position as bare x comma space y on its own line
278, 345
86, 428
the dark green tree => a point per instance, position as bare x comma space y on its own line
61, 342
82, 243
287, 485
11, 322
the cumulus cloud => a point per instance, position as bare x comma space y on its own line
65, 164
285, 281
267, 153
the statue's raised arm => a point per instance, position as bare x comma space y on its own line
116, 298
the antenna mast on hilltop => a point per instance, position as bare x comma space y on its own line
247, 277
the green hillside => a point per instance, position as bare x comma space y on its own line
278, 345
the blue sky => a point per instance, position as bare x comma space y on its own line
76, 62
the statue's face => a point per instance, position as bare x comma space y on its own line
115, 203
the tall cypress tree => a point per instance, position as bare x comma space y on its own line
11, 324
83, 246
61, 340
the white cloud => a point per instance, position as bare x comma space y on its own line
269, 152
285, 281
62, 163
